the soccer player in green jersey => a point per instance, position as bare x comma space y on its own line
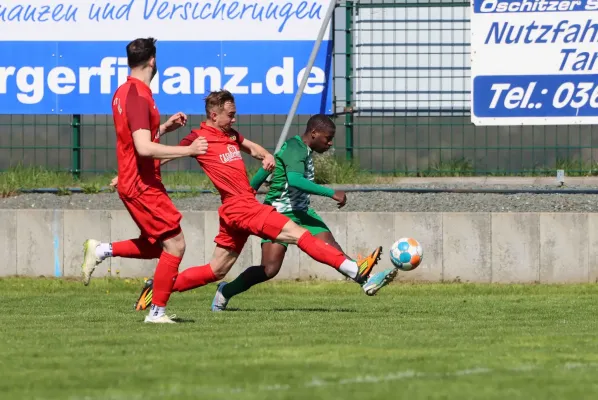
291, 186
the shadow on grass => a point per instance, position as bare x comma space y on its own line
183, 320
319, 309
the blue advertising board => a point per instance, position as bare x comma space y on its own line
68, 56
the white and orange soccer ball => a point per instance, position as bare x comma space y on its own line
406, 254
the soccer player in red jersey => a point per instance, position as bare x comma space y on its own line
241, 214
138, 151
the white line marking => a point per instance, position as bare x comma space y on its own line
176, 389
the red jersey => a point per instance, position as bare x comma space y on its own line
223, 162
133, 108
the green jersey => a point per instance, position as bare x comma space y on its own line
293, 156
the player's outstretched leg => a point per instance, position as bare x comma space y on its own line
94, 252
272, 258
359, 270
273, 254
282, 229
373, 283
322, 252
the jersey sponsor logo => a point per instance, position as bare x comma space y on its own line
233, 154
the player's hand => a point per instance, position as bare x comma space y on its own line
340, 197
114, 182
175, 122
199, 146
268, 163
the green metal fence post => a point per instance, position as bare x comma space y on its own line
76, 159
349, 81
333, 61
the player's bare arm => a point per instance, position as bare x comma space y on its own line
182, 143
255, 150
259, 153
114, 182
147, 148
175, 122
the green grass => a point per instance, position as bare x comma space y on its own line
329, 170
333, 170
300, 340
19, 178
466, 167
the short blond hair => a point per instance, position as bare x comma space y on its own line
217, 99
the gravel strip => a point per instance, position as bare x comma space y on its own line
368, 201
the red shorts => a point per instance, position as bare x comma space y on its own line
246, 216
155, 215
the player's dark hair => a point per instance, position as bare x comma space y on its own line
140, 51
320, 123
217, 100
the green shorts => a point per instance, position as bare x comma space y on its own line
309, 220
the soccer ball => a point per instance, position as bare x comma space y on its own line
406, 254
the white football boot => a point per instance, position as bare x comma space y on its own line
90, 259
163, 319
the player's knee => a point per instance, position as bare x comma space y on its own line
219, 273
175, 245
296, 234
291, 233
220, 269
222, 261
271, 269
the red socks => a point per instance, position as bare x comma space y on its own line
164, 278
136, 248
320, 250
193, 277
167, 278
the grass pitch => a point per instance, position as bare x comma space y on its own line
61, 340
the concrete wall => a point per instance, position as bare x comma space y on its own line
466, 247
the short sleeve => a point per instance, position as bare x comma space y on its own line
138, 111
293, 157
239, 138
187, 140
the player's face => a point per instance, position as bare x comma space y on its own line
322, 141
226, 117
